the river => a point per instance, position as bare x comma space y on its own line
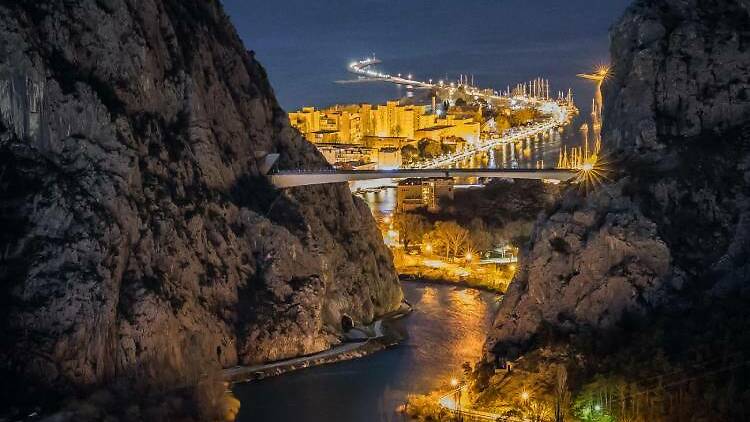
447, 328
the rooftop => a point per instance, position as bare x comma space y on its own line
417, 181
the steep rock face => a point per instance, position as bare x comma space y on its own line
681, 69
136, 224
676, 217
592, 260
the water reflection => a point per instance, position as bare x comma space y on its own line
447, 328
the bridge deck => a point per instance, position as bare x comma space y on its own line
288, 179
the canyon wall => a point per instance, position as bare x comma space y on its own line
673, 216
136, 224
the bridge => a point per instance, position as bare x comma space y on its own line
292, 178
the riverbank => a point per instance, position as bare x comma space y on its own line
381, 337
446, 329
487, 279
464, 283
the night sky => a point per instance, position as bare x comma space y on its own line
306, 45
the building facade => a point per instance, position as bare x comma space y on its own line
426, 193
351, 124
385, 127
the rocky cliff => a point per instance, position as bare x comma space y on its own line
136, 225
674, 218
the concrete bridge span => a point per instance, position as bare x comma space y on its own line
292, 178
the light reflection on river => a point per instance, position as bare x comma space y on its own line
448, 327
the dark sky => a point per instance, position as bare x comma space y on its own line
306, 45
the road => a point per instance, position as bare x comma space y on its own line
337, 353
511, 135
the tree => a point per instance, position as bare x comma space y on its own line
523, 116
502, 123
429, 148
411, 228
451, 236
437, 244
409, 153
480, 235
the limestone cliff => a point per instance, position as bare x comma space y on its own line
675, 217
135, 221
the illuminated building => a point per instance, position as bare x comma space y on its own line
355, 156
450, 126
379, 142
392, 120
328, 126
426, 193
389, 159
388, 126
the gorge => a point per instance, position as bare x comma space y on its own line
142, 249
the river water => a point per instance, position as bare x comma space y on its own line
447, 328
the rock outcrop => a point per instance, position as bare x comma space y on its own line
680, 72
675, 217
588, 263
136, 224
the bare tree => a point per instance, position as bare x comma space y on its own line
452, 236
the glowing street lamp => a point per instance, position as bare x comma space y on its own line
457, 385
469, 256
525, 396
428, 248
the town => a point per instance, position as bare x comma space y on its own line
444, 124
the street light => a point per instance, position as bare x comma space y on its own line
525, 396
469, 256
428, 248
457, 402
